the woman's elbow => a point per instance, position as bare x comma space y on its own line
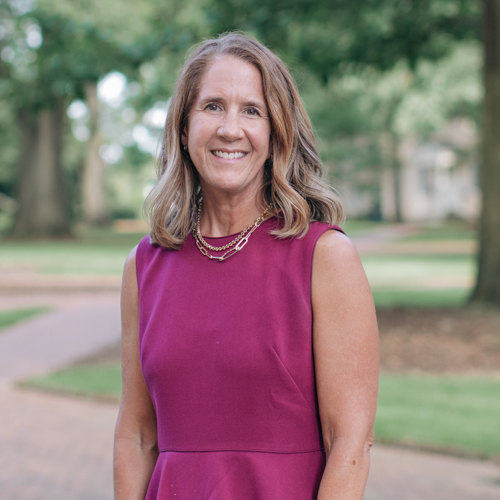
352, 446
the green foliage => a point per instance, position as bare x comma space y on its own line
352, 111
362, 68
54, 47
449, 413
64, 54
440, 91
12, 316
327, 35
50, 49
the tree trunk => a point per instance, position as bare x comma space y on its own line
488, 278
95, 202
41, 195
390, 189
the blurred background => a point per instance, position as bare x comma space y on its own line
404, 97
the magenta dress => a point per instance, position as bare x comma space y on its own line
226, 353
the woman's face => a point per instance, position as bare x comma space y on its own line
228, 131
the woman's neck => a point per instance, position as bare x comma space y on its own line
229, 216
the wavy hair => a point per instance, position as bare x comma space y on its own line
293, 182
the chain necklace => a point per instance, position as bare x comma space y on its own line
233, 246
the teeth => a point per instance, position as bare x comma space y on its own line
228, 156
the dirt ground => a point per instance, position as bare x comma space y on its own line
424, 340
463, 340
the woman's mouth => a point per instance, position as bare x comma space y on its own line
228, 156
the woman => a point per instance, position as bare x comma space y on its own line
250, 354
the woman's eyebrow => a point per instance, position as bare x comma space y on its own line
250, 103
255, 104
208, 99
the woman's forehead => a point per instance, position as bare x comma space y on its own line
231, 76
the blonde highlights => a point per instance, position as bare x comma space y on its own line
293, 182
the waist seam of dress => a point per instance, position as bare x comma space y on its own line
298, 452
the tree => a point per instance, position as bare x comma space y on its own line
39, 77
94, 192
39, 108
53, 53
487, 287
41, 191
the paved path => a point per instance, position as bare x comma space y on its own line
56, 448
399, 474
78, 327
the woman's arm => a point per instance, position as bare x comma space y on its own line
346, 362
135, 449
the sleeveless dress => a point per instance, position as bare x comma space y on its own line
226, 353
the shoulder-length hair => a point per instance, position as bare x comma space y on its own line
293, 183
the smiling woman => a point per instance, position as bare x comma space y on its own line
249, 339
292, 183
228, 138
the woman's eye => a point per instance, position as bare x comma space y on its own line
253, 112
212, 107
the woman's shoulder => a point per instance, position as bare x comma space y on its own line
334, 247
143, 251
321, 231
321, 227
146, 246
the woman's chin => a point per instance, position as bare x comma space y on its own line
231, 185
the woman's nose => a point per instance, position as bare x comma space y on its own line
230, 128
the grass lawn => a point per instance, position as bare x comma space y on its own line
417, 269
421, 276
426, 280
96, 252
12, 316
99, 381
357, 226
443, 231
459, 414
441, 297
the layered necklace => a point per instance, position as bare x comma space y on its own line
231, 248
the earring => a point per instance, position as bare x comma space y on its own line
185, 147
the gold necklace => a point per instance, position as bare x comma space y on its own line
233, 246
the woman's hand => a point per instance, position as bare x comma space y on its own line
346, 356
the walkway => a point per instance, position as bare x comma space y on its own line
56, 448
81, 325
